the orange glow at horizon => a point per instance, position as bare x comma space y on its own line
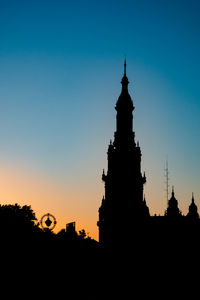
69, 199
66, 203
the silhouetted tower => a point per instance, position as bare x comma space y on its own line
123, 205
193, 210
172, 209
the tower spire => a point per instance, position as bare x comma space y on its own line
125, 66
124, 80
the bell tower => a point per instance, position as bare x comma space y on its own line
123, 204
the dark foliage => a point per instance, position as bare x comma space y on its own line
17, 220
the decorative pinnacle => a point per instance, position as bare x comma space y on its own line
124, 80
125, 66
192, 197
172, 190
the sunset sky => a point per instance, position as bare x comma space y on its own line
61, 64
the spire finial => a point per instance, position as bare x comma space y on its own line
172, 190
192, 197
124, 80
125, 66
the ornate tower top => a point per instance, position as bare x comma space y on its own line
124, 101
124, 135
124, 80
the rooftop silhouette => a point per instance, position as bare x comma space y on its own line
124, 212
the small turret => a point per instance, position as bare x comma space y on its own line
173, 210
193, 210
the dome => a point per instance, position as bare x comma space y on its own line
124, 101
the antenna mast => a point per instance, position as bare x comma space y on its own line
167, 180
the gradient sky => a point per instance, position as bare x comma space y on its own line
61, 64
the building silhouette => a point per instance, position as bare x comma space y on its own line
123, 202
124, 214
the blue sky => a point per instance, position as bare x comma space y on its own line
61, 63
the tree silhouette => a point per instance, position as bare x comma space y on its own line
82, 234
16, 219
